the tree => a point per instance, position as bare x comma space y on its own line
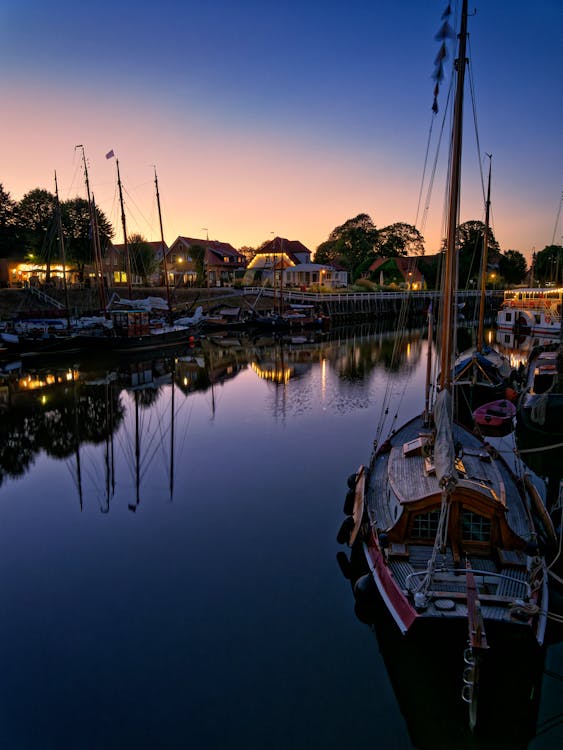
8, 224
36, 215
512, 266
248, 252
400, 239
350, 244
78, 234
198, 254
470, 237
143, 258
548, 265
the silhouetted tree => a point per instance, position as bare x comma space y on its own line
400, 239
512, 267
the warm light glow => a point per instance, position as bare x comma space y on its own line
276, 375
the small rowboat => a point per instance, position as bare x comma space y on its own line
496, 417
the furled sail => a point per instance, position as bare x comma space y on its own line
444, 451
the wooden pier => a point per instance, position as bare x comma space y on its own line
350, 306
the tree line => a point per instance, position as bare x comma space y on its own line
29, 228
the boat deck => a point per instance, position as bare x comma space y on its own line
399, 477
409, 479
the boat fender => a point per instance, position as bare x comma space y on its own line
510, 394
349, 502
344, 564
364, 588
345, 530
351, 481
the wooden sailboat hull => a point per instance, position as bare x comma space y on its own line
511, 578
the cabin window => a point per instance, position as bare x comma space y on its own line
425, 525
475, 528
508, 317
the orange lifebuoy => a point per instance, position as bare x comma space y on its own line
548, 320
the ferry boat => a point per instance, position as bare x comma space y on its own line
531, 312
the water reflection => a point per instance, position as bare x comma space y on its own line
211, 491
58, 407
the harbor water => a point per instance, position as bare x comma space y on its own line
168, 558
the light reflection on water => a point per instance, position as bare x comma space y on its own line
168, 549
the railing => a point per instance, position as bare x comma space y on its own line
358, 296
51, 301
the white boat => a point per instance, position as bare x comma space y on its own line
531, 312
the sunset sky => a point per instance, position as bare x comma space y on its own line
280, 117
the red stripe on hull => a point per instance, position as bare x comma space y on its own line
402, 611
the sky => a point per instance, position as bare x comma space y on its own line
282, 118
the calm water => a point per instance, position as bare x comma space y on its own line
171, 582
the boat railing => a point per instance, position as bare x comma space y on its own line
456, 572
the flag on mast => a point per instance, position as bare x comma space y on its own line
110, 154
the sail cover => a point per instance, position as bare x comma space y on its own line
444, 452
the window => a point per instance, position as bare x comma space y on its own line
508, 317
475, 528
425, 525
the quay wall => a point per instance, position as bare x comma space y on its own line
343, 307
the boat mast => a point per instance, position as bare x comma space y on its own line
450, 271
164, 262
125, 243
95, 234
62, 249
480, 336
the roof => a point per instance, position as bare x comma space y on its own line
292, 248
216, 251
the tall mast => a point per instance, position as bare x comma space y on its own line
95, 234
62, 249
164, 262
450, 271
480, 336
123, 224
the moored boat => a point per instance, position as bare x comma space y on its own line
495, 418
446, 530
540, 406
531, 312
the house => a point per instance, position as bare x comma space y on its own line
114, 265
25, 272
277, 254
400, 269
306, 275
221, 261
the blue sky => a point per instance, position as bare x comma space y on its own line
280, 117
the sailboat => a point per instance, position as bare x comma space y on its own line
443, 525
128, 325
481, 374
